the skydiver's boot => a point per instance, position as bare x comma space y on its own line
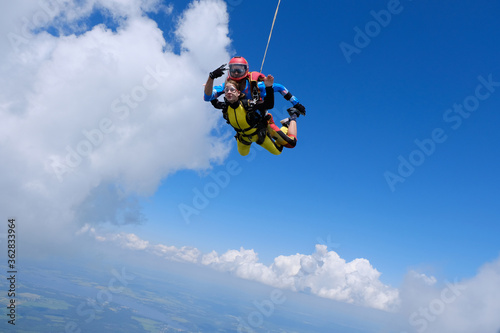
285, 122
294, 113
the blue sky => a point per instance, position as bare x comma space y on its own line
396, 161
361, 116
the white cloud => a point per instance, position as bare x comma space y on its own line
103, 115
194, 42
185, 253
323, 273
131, 241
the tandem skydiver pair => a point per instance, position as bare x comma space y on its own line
248, 96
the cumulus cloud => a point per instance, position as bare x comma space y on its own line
97, 113
323, 273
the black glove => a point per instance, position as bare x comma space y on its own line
218, 72
300, 108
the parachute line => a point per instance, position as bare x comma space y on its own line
270, 33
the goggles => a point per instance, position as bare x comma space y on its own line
230, 89
237, 70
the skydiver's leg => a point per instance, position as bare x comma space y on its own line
276, 133
288, 133
291, 132
271, 126
243, 146
271, 146
290, 127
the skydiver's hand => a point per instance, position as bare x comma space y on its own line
218, 72
269, 80
300, 108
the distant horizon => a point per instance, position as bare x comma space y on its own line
260, 301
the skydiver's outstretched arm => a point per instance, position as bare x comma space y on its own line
209, 86
289, 97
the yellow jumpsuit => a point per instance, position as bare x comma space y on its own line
237, 117
248, 120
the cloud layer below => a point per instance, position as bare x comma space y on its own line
322, 273
421, 303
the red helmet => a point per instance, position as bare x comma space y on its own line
238, 68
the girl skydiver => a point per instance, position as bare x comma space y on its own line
252, 122
248, 118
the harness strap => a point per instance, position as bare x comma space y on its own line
261, 136
260, 125
242, 131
